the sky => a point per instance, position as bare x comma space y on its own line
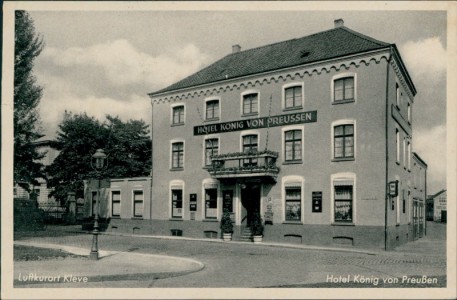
105, 62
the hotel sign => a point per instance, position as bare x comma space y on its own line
272, 121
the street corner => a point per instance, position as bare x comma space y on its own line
110, 269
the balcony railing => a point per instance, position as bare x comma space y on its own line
244, 164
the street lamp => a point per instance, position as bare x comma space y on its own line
98, 163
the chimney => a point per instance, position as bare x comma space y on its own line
339, 23
236, 48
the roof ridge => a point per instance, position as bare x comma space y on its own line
280, 42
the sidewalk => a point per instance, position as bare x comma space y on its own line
111, 266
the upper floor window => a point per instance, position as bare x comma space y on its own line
178, 115
177, 155
293, 145
250, 103
343, 89
343, 141
250, 145
397, 142
398, 95
409, 112
212, 110
211, 148
293, 97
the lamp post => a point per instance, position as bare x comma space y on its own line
98, 163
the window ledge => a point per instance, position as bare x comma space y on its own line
293, 222
292, 108
292, 162
336, 102
343, 224
137, 218
211, 120
250, 114
176, 169
210, 220
343, 159
175, 219
177, 124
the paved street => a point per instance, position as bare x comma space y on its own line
248, 265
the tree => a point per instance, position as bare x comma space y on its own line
127, 145
27, 95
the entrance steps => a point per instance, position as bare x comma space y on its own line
246, 235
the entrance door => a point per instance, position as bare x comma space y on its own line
415, 221
250, 200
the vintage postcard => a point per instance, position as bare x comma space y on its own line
196, 150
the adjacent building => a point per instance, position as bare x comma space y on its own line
314, 133
437, 207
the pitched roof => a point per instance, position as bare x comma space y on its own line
333, 43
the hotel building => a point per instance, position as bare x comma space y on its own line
313, 133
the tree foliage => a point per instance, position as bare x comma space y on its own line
126, 144
27, 95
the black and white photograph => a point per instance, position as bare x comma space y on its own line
228, 150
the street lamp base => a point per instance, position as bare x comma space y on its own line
93, 255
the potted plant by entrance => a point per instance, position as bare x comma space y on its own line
257, 228
226, 226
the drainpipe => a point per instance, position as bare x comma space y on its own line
387, 150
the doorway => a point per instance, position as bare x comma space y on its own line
250, 203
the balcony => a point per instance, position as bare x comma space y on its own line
240, 164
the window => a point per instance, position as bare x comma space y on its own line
344, 141
250, 145
404, 201
409, 155
138, 203
409, 112
177, 155
404, 152
398, 95
94, 202
397, 141
176, 201
343, 200
293, 145
212, 109
211, 148
343, 89
35, 195
293, 204
211, 203
293, 97
116, 204
250, 104
178, 115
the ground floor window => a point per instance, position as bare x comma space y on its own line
211, 203
176, 199
94, 202
293, 204
116, 204
138, 203
343, 203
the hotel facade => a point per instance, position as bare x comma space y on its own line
314, 133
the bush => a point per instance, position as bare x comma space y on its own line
257, 224
27, 216
226, 222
